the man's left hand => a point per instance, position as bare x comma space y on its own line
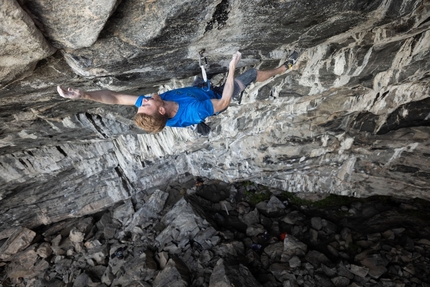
70, 93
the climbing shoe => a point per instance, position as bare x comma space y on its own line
291, 60
201, 129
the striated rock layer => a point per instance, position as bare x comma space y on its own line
351, 118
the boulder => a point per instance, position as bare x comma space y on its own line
20, 240
22, 48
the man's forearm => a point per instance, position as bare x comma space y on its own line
101, 96
222, 104
227, 92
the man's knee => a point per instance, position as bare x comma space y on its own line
243, 80
248, 77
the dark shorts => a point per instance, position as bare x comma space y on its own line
245, 79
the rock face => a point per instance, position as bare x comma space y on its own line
22, 44
351, 118
66, 29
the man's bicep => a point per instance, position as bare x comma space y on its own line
110, 97
125, 99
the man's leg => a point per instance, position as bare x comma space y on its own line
265, 75
254, 75
243, 80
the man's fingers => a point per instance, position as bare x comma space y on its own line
235, 59
237, 54
60, 91
66, 93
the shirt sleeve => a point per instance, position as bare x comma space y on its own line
139, 100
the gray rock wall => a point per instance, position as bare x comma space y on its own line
351, 118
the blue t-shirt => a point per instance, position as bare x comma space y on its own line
194, 105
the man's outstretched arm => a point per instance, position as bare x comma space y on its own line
101, 96
222, 104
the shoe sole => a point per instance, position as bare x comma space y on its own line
292, 59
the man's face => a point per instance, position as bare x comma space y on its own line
151, 106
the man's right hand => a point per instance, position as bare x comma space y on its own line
235, 59
70, 93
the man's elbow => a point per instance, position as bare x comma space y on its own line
221, 105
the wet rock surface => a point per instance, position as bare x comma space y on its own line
253, 236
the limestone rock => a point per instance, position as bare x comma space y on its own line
22, 45
376, 265
359, 270
26, 265
293, 246
44, 250
149, 210
124, 213
78, 29
192, 252
182, 222
76, 236
350, 118
225, 275
20, 240
172, 275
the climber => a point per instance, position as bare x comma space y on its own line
185, 106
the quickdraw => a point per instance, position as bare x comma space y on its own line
203, 63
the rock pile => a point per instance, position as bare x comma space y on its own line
218, 234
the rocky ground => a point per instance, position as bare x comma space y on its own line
208, 233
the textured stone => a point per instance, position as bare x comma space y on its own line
359, 270
27, 265
44, 250
76, 32
124, 213
350, 118
20, 240
316, 223
149, 210
194, 253
255, 229
22, 45
316, 258
76, 236
273, 207
294, 262
375, 265
82, 280
173, 274
340, 281
252, 217
226, 275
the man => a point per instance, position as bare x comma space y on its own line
181, 107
